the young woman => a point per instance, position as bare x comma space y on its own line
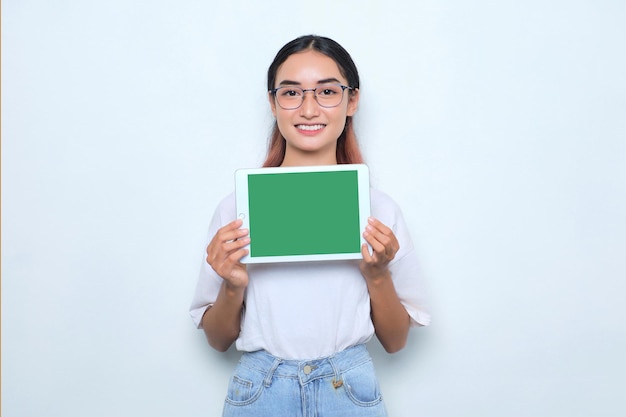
302, 327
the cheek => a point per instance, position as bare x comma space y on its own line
340, 116
281, 118
283, 122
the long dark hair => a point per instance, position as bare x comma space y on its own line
348, 151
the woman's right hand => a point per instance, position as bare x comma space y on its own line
225, 251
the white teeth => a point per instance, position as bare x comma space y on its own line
310, 127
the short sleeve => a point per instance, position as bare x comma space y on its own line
209, 283
405, 268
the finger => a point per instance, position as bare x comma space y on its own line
235, 256
365, 252
379, 241
219, 244
231, 231
235, 245
380, 253
235, 224
384, 235
377, 245
233, 235
374, 222
227, 266
382, 232
218, 250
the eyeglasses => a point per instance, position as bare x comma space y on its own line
326, 95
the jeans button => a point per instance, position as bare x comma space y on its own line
307, 369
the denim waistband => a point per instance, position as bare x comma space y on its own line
305, 370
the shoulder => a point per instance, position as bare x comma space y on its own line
225, 212
227, 203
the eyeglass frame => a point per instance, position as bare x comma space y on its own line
273, 91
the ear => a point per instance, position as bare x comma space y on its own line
353, 101
272, 100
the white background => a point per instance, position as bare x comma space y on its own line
498, 126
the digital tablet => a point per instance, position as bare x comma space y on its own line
303, 213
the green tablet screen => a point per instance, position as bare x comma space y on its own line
304, 213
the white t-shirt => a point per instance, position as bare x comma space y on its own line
308, 310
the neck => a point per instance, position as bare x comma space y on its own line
295, 157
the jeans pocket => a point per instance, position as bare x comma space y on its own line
362, 386
245, 386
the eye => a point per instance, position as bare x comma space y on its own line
290, 92
328, 91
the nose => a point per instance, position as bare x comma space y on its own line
309, 107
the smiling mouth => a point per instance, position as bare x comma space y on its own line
310, 128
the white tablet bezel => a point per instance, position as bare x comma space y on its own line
241, 195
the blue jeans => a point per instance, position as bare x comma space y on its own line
342, 385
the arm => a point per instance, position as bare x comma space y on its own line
390, 318
221, 322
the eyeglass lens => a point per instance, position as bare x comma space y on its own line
292, 97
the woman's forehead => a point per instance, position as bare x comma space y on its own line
308, 67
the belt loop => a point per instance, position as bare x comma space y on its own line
268, 379
337, 381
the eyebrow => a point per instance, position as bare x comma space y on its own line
324, 81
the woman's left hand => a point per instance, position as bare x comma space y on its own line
384, 248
